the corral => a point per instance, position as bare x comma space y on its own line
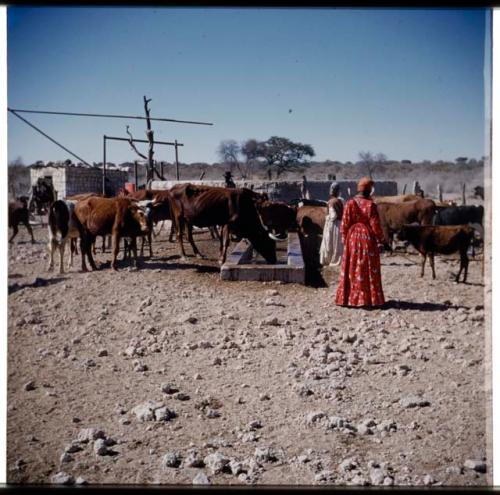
180, 373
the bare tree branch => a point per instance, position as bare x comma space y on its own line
144, 157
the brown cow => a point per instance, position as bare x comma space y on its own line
120, 217
401, 198
394, 216
234, 209
311, 222
19, 213
431, 239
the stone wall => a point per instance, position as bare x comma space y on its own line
68, 181
288, 190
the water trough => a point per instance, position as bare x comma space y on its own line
245, 264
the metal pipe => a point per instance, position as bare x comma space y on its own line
48, 137
109, 115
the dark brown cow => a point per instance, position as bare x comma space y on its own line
19, 213
394, 216
234, 209
431, 239
120, 217
278, 218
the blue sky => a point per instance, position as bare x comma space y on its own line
408, 83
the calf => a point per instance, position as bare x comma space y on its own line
19, 213
430, 239
120, 217
63, 225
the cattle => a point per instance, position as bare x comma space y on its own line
394, 216
42, 196
401, 198
278, 218
311, 223
120, 217
234, 209
62, 225
80, 197
19, 213
461, 215
431, 239
306, 202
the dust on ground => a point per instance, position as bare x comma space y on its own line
169, 375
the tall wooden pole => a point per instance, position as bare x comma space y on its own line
150, 137
176, 161
104, 167
135, 175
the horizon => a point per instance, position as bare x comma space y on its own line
408, 83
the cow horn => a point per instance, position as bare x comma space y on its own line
275, 237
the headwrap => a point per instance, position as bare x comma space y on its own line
334, 186
365, 184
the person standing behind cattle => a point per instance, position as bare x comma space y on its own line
331, 244
360, 281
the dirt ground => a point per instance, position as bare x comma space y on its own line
185, 378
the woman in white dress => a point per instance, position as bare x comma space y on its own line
331, 245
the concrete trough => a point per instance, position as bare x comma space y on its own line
244, 264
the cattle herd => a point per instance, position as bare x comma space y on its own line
432, 227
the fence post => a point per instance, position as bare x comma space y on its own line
404, 189
440, 193
463, 193
135, 176
176, 162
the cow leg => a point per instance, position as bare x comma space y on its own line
172, 232
15, 230
465, 262
191, 241
94, 250
180, 230
134, 250
115, 249
225, 241
150, 242
72, 249
51, 247
62, 246
30, 230
86, 244
103, 249
431, 261
424, 258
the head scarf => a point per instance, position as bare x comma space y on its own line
365, 184
335, 186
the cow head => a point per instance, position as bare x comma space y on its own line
277, 219
141, 213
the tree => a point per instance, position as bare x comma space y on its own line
229, 151
251, 149
369, 161
281, 155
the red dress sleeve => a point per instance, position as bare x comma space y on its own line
346, 220
375, 224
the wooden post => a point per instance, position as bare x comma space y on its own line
161, 168
150, 136
463, 193
176, 162
440, 193
104, 167
415, 184
135, 176
404, 189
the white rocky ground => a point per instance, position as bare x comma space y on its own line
170, 375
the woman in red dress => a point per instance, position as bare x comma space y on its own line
360, 281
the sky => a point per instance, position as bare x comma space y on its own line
408, 83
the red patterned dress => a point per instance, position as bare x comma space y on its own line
360, 281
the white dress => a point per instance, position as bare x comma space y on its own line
330, 252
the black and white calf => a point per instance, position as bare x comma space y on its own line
63, 225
